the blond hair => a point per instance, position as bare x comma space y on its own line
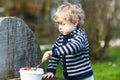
70, 12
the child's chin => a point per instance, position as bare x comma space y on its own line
64, 33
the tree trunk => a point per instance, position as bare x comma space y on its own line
98, 15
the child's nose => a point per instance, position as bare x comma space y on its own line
60, 27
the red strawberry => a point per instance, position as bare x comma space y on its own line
27, 68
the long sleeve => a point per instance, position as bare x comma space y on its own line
53, 62
73, 46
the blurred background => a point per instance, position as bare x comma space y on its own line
102, 24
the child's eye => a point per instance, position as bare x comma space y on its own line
60, 23
63, 24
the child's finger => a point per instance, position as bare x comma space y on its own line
46, 56
44, 59
50, 75
44, 76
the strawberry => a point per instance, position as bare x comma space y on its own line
27, 68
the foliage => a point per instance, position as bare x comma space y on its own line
98, 17
101, 16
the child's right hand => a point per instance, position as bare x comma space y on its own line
46, 55
48, 75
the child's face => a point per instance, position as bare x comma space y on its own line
65, 27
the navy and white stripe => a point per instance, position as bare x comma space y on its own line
73, 51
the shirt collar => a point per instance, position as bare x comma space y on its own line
71, 34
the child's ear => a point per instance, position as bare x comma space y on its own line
76, 23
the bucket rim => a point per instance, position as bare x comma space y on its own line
38, 71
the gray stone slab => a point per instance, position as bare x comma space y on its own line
18, 47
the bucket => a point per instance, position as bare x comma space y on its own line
31, 74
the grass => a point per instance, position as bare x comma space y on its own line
108, 69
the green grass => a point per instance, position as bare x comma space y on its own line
108, 69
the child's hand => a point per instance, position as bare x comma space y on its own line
47, 55
48, 75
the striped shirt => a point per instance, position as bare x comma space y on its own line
73, 51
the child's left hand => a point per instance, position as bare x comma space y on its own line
47, 55
48, 75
